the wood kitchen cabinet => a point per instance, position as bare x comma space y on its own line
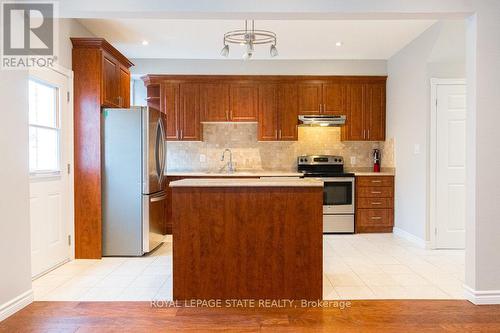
215, 101
321, 98
278, 105
374, 204
181, 104
229, 101
243, 102
273, 101
115, 83
101, 79
365, 106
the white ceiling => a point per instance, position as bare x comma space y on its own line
297, 39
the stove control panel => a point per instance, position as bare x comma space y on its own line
320, 160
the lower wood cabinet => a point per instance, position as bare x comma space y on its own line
374, 204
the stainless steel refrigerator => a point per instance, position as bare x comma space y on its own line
133, 181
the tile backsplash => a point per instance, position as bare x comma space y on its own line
250, 154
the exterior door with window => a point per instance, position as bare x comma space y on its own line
49, 150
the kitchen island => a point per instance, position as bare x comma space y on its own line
247, 239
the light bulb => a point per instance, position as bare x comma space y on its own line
225, 51
145, 42
339, 43
247, 55
273, 51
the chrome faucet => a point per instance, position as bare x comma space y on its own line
229, 165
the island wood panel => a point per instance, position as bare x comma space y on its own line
87, 152
256, 243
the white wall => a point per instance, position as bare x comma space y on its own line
69, 28
264, 67
15, 276
15, 246
483, 184
408, 115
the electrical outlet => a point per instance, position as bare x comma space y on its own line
353, 160
416, 149
203, 158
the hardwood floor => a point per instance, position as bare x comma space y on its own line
361, 316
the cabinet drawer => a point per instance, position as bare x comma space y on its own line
374, 192
375, 181
374, 217
375, 203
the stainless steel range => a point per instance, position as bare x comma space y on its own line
338, 190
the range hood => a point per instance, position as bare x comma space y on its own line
321, 120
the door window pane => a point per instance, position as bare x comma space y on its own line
44, 136
42, 104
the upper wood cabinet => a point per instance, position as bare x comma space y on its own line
365, 105
310, 98
321, 98
115, 82
274, 101
215, 101
170, 106
101, 79
189, 128
333, 98
375, 111
181, 104
243, 102
278, 105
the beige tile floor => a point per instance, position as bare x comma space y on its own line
364, 266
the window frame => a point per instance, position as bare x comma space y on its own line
40, 173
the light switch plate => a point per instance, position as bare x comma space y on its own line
203, 158
353, 160
416, 149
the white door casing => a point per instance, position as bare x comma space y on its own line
51, 195
448, 135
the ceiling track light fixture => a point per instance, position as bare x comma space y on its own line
250, 37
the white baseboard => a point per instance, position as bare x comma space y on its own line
9, 308
482, 297
411, 238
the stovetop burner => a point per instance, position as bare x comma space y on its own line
327, 175
322, 166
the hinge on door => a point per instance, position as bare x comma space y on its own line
67, 96
69, 168
69, 240
436, 102
435, 231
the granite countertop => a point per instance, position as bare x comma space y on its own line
243, 173
271, 173
246, 182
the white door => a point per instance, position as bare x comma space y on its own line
49, 151
450, 166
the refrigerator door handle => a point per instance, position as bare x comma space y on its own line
158, 152
163, 150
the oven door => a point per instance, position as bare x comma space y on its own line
338, 195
